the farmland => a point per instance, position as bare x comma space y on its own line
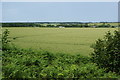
57, 40
52, 52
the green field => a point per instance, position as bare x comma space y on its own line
56, 40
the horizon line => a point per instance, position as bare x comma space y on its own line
57, 21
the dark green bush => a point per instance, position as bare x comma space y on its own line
5, 41
107, 52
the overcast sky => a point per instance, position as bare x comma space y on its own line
60, 11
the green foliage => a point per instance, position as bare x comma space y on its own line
5, 41
21, 63
107, 52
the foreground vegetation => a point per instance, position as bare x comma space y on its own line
18, 63
107, 52
21, 63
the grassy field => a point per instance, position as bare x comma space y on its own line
56, 40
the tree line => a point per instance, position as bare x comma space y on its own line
55, 25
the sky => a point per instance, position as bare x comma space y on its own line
60, 0
0, 12
60, 11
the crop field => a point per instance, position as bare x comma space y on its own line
57, 40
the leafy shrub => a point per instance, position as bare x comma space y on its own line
5, 41
107, 52
30, 64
